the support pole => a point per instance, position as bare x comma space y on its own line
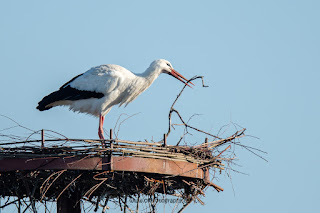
111, 134
206, 142
164, 140
67, 204
42, 138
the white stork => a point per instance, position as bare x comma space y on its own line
96, 91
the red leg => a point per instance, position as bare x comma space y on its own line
100, 130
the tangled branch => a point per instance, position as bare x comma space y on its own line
173, 110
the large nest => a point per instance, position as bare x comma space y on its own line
97, 186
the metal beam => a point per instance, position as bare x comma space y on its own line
69, 203
115, 163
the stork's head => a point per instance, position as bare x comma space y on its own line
166, 67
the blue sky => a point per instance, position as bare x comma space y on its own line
259, 58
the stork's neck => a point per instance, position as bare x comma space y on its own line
151, 74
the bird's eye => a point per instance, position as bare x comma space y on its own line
168, 65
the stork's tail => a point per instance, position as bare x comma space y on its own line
49, 99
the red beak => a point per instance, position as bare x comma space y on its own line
180, 77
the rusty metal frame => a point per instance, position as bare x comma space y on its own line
113, 163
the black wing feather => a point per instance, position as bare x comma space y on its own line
66, 92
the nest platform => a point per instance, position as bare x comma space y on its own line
98, 171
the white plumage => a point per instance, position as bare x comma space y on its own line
96, 91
